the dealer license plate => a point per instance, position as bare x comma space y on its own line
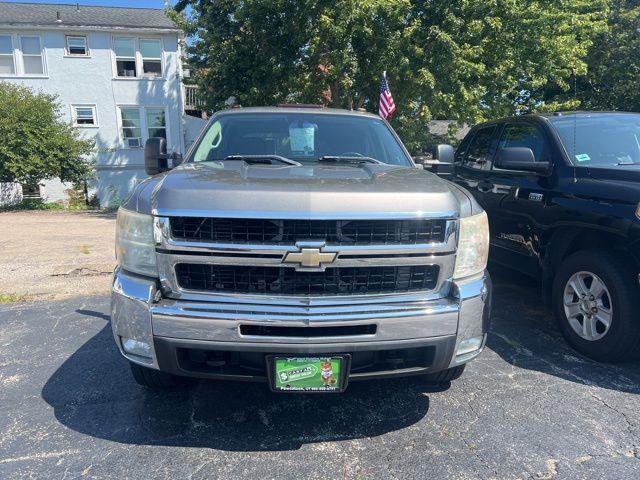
309, 374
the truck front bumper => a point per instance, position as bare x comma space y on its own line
391, 336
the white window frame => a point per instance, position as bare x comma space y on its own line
134, 58
149, 127
18, 56
67, 51
13, 55
22, 55
142, 59
144, 127
74, 115
140, 75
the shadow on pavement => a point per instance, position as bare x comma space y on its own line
93, 393
93, 313
524, 333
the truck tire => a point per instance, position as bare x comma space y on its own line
153, 379
596, 300
445, 376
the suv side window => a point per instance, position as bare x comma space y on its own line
524, 135
480, 150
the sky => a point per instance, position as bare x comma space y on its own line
103, 3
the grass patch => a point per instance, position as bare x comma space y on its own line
11, 298
32, 204
35, 204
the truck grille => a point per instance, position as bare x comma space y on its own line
287, 281
276, 232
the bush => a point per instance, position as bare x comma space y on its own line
36, 143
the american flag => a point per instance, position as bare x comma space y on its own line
386, 107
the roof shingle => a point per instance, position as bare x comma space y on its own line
83, 16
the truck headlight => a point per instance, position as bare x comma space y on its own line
135, 248
473, 246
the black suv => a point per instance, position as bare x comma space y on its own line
562, 193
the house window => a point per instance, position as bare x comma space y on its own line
84, 115
156, 123
77, 45
125, 49
131, 127
151, 54
31, 55
138, 57
141, 123
7, 65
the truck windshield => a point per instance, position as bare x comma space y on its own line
303, 137
600, 139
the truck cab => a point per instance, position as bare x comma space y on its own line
562, 194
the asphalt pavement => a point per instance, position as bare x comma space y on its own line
528, 408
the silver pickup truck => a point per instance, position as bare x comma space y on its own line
300, 247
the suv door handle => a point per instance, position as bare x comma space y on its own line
485, 186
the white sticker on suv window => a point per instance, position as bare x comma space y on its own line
302, 139
583, 157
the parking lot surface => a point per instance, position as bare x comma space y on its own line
528, 408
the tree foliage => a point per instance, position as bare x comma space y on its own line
466, 60
36, 144
612, 77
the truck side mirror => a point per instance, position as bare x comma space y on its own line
521, 159
444, 153
422, 161
155, 156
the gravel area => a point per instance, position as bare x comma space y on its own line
53, 255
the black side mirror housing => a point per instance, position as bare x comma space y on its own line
520, 159
155, 156
440, 163
444, 153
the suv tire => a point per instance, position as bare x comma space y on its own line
155, 379
445, 376
620, 341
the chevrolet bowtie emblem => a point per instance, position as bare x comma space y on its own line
309, 257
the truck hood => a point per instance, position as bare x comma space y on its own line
235, 189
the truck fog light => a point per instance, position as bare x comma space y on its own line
136, 347
471, 345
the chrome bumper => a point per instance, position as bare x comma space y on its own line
139, 312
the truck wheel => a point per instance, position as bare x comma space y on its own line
595, 296
155, 379
445, 376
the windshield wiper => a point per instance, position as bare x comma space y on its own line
628, 163
350, 160
263, 159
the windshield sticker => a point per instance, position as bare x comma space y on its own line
302, 139
583, 157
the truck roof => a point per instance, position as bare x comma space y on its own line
297, 109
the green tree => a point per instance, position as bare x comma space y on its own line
36, 144
466, 60
612, 77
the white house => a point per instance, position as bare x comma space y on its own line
116, 71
